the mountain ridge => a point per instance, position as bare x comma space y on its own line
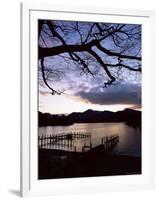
129, 116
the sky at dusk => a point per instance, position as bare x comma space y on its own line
83, 91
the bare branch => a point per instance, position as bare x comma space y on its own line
110, 53
112, 78
45, 80
90, 46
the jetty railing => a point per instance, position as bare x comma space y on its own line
61, 139
66, 141
110, 141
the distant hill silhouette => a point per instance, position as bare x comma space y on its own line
47, 119
129, 116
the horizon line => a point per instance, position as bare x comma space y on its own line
92, 110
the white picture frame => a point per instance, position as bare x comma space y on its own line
30, 185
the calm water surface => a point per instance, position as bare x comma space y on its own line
129, 137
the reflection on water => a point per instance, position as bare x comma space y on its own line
129, 137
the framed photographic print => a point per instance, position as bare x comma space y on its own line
87, 99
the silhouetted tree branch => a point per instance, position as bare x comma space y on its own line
92, 41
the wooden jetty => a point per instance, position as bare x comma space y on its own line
62, 139
106, 145
66, 142
110, 142
86, 147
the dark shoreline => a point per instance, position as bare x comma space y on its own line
64, 164
135, 125
128, 116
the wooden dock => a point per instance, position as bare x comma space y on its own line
66, 142
62, 139
110, 142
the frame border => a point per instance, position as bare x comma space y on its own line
26, 8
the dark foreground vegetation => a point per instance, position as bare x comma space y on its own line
131, 117
97, 162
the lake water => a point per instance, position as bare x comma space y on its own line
129, 137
